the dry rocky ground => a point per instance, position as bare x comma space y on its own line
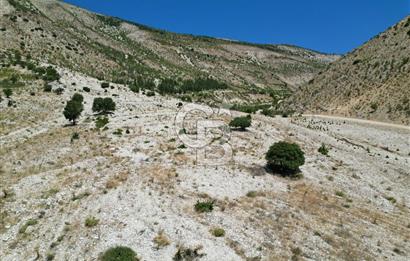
142, 185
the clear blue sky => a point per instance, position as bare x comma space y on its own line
332, 26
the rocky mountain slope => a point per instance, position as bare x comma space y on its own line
119, 51
371, 82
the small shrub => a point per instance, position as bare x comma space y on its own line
105, 85
59, 91
161, 240
252, 194
75, 136
323, 150
119, 253
340, 194
285, 157
218, 232
150, 93
101, 122
241, 122
187, 254
203, 207
8, 92
374, 106
91, 222
86, 89
47, 88
118, 132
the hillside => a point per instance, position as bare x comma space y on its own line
371, 82
119, 51
89, 166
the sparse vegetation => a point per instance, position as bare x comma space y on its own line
7, 92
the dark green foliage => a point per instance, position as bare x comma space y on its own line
51, 75
77, 97
202, 207
59, 91
7, 92
168, 86
119, 253
150, 93
202, 84
47, 88
103, 105
105, 85
86, 89
74, 108
241, 122
75, 136
285, 157
323, 149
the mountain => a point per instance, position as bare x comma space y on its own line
120, 51
371, 82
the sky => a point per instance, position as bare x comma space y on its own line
330, 26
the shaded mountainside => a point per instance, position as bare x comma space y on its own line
372, 82
115, 50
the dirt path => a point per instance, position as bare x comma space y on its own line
369, 122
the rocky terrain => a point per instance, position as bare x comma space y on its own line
165, 175
371, 82
141, 184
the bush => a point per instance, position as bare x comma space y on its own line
59, 91
91, 222
8, 92
105, 85
202, 207
72, 110
241, 122
150, 93
75, 136
101, 122
86, 89
218, 232
103, 105
119, 253
47, 88
285, 157
77, 97
323, 149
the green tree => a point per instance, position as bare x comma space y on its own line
241, 122
73, 110
285, 157
8, 92
103, 105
